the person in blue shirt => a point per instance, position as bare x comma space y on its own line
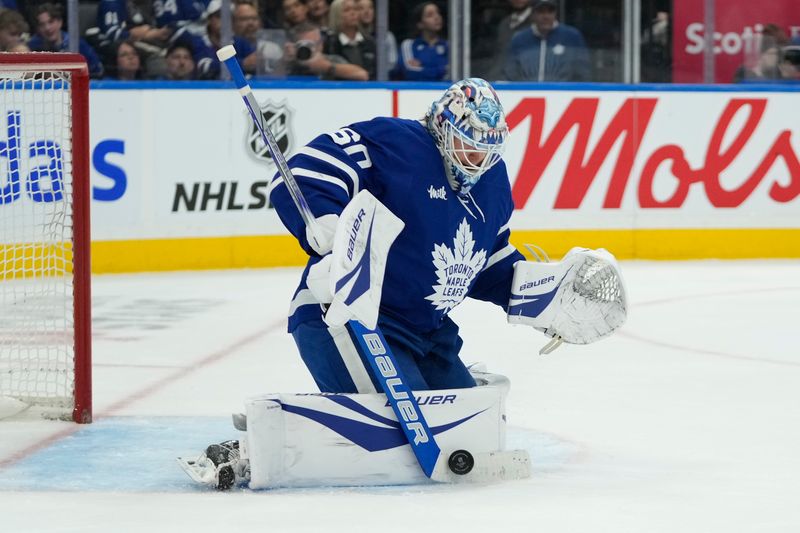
426, 57
206, 44
547, 50
120, 21
444, 177
178, 14
51, 38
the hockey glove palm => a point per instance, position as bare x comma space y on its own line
579, 300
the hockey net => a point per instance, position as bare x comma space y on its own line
45, 331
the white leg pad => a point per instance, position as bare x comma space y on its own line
302, 440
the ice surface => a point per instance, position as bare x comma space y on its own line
687, 420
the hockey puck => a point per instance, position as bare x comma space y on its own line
461, 462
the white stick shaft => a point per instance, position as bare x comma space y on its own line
227, 55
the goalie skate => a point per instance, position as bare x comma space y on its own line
221, 466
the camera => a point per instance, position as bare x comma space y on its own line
304, 50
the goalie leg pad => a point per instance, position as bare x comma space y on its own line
303, 440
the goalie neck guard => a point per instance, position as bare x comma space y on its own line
468, 122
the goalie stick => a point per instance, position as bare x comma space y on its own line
460, 465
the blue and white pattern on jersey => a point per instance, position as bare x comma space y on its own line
468, 119
452, 247
456, 267
423, 61
178, 13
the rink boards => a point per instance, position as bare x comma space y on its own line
180, 180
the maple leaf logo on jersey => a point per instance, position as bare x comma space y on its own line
455, 269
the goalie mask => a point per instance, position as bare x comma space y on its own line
470, 130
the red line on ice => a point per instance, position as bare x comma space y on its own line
704, 351
176, 375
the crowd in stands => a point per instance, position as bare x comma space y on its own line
336, 40
777, 58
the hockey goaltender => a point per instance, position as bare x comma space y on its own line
431, 199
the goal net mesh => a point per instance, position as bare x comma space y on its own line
37, 359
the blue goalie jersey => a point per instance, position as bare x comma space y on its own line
450, 247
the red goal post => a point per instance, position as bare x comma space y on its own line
45, 298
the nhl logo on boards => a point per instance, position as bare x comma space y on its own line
278, 118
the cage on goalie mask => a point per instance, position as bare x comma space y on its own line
466, 120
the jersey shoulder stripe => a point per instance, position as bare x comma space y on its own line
318, 160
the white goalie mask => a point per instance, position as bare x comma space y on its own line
470, 130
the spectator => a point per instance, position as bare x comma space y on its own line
425, 58
547, 50
776, 32
345, 38
246, 22
318, 13
180, 62
247, 26
19, 48
305, 57
268, 44
50, 37
367, 18
521, 17
179, 16
766, 67
120, 20
790, 62
271, 13
128, 63
12, 28
656, 50
295, 12
205, 46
